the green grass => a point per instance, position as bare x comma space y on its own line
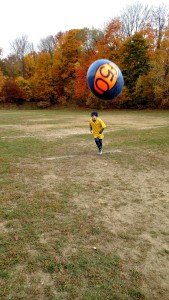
60, 239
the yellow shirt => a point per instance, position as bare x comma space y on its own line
96, 127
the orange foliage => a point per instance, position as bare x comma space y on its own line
42, 80
61, 78
108, 47
26, 87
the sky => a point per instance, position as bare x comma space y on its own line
40, 18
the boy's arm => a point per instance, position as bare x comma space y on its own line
101, 130
90, 126
103, 125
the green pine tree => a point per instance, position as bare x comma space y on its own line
135, 61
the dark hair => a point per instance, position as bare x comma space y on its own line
94, 113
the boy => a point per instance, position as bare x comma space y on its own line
96, 127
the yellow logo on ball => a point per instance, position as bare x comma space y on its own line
105, 78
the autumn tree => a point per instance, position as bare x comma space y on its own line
26, 88
88, 52
43, 81
108, 46
30, 64
65, 62
12, 92
1, 84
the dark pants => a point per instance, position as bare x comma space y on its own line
98, 143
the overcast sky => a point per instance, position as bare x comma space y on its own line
39, 18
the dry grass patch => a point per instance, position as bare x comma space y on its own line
76, 225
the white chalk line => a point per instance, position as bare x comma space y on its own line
72, 156
113, 151
60, 157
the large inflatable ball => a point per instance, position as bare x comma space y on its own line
105, 79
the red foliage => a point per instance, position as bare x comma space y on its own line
11, 91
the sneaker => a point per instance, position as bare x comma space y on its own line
100, 151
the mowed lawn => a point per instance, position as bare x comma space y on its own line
78, 225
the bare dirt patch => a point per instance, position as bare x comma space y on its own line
3, 227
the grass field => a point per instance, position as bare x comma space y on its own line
76, 225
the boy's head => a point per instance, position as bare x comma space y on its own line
94, 115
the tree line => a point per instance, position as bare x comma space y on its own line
137, 41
